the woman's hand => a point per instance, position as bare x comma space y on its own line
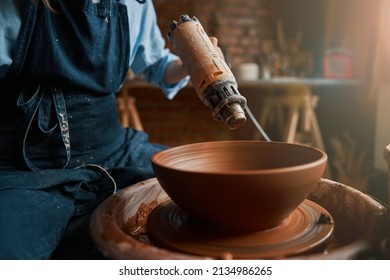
214, 41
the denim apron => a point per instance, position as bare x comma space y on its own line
62, 148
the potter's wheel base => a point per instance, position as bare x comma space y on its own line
304, 231
118, 225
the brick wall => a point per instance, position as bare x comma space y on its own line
238, 25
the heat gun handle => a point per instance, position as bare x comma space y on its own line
210, 76
199, 56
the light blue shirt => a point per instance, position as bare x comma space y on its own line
148, 54
10, 20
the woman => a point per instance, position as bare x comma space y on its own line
62, 149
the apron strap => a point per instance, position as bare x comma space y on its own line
31, 105
62, 117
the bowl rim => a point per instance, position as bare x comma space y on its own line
319, 161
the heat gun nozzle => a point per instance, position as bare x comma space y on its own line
225, 102
234, 115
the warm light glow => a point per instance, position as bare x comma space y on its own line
384, 35
385, 23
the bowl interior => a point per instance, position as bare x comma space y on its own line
238, 157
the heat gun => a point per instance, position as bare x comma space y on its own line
210, 76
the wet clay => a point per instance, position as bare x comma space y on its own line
118, 225
239, 186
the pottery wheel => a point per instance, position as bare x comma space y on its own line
304, 231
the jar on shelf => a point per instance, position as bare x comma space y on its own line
338, 63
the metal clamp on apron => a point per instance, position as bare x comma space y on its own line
105, 9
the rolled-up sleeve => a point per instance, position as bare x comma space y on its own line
149, 55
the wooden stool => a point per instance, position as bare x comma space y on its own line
294, 113
128, 113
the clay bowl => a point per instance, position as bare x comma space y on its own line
239, 186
